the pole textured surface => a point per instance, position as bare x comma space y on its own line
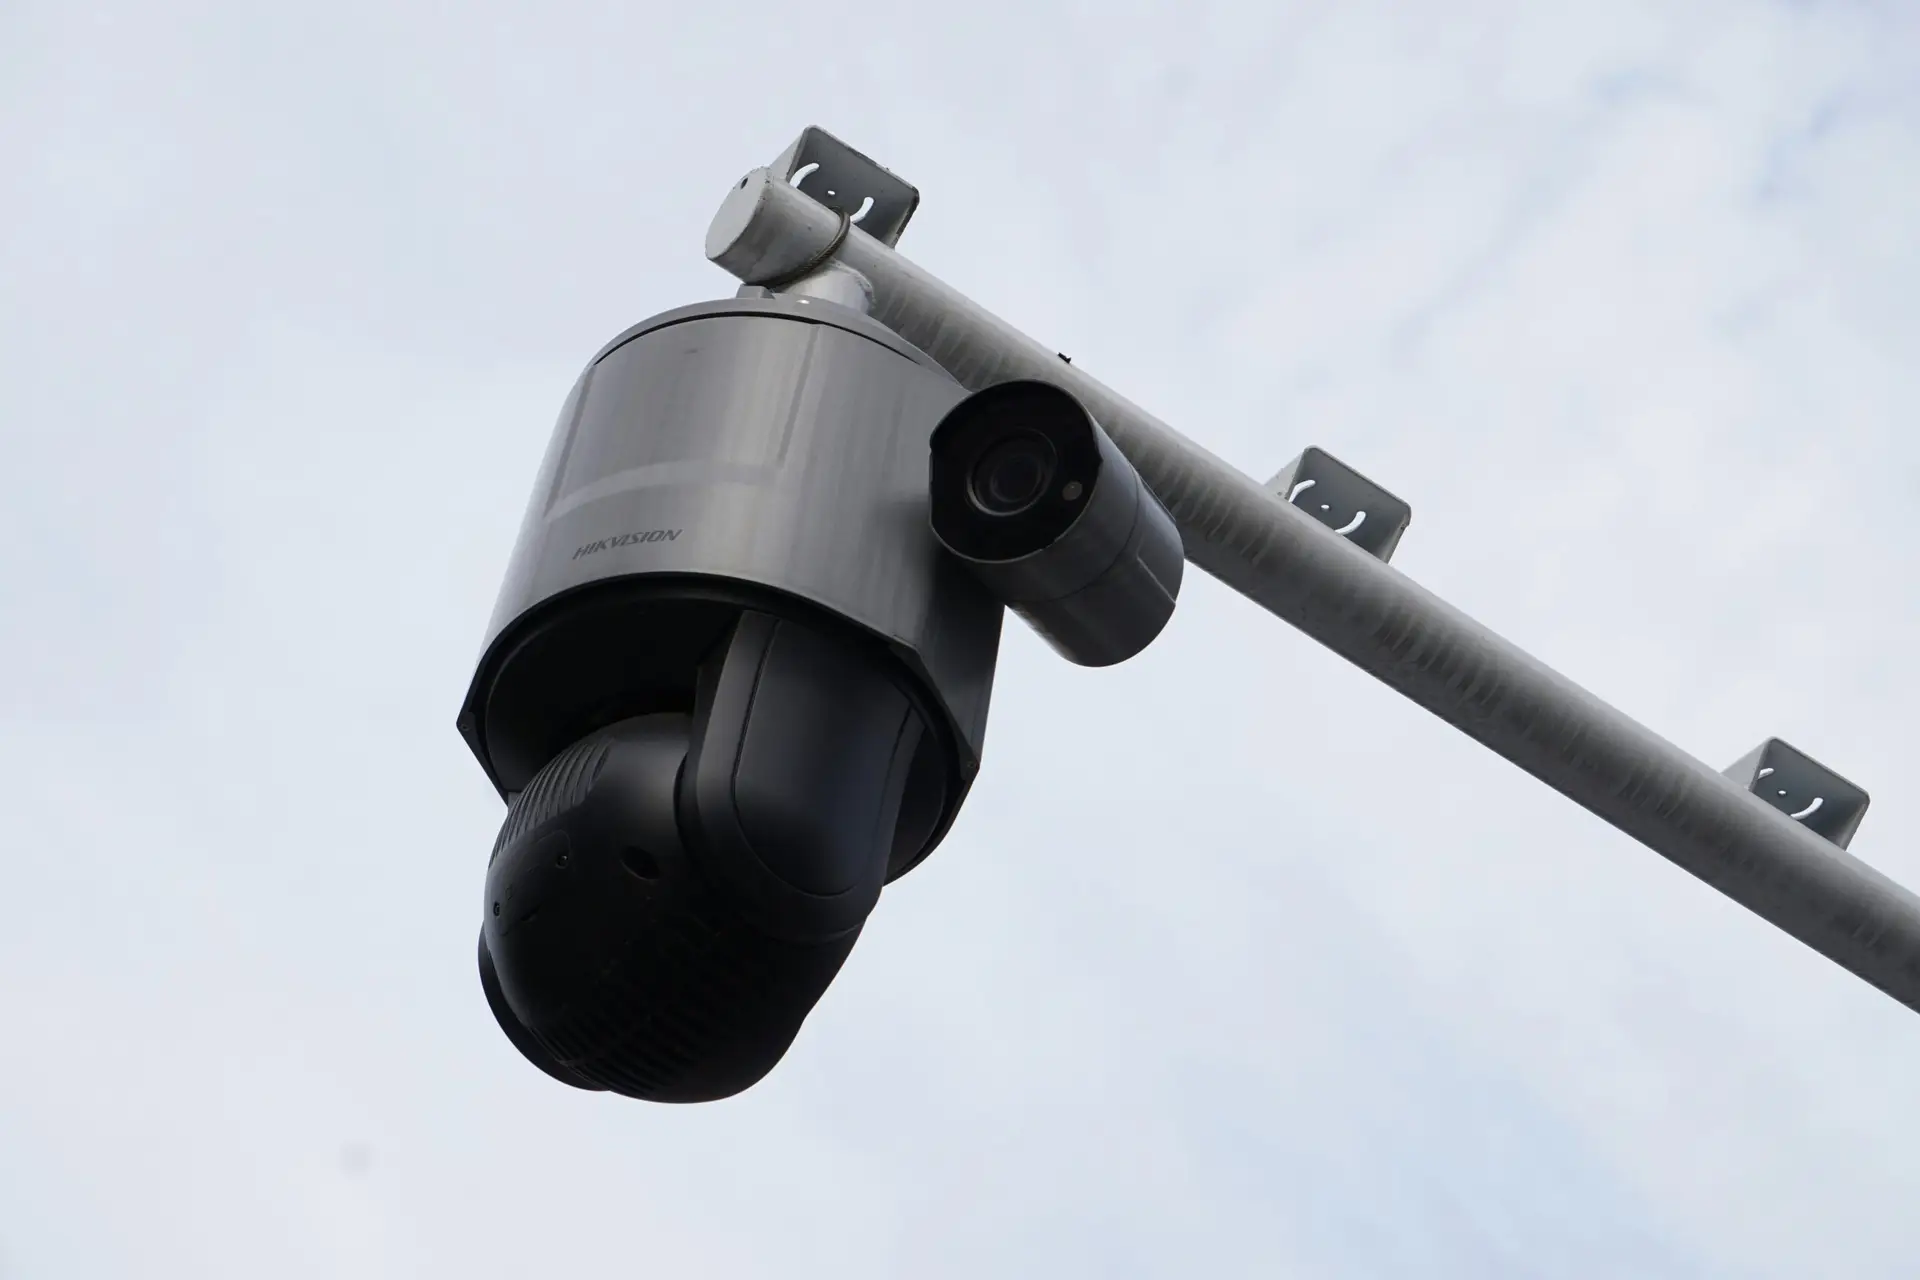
767, 233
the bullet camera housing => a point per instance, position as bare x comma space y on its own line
732, 686
1034, 498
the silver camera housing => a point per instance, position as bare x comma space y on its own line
765, 451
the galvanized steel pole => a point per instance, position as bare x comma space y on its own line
768, 232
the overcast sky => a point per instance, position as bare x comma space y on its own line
1236, 964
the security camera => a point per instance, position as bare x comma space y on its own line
733, 685
738, 676
1031, 495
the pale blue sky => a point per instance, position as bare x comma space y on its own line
1236, 964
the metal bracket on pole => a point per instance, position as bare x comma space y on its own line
1802, 788
1344, 500
1796, 875
833, 173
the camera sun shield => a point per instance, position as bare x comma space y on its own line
1033, 497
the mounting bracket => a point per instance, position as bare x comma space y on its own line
847, 182
1802, 788
1344, 500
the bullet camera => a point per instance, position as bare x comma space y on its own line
738, 675
1030, 494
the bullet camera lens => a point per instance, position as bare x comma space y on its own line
1011, 470
1012, 475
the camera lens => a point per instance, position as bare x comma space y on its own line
1011, 476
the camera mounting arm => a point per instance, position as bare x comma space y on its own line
1750, 833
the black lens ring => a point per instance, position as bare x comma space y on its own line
1012, 474
985, 423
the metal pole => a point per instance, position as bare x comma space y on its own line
770, 233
